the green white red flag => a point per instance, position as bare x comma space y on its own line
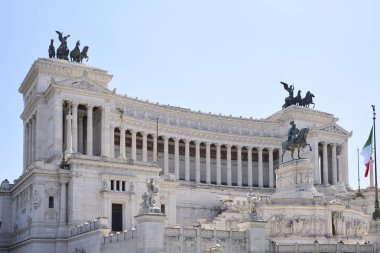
367, 153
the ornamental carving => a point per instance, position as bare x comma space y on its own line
86, 85
333, 129
280, 225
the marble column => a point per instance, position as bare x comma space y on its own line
340, 168
89, 129
187, 160
229, 166
155, 158
63, 199
133, 146
25, 146
75, 127
176, 158
325, 168
333, 163
271, 181
208, 164
218, 165
122, 143
317, 173
34, 131
58, 125
239, 167
166, 155
261, 174
112, 142
345, 163
80, 134
105, 132
249, 150
69, 136
145, 147
30, 142
197, 162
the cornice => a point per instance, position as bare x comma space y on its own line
102, 162
295, 112
201, 135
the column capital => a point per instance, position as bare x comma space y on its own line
133, 131
260, 148
164, 137
218, 145
197, 142
75, 104
271, 149
333, 144
90, 106
239, 147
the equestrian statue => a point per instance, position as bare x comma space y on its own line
297, 100
296, 140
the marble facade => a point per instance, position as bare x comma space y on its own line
203, 164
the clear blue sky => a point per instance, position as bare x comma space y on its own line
215, 56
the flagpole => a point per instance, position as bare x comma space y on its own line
157, 138
358, 172
376, 213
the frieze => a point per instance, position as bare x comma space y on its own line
335, 130
280, 225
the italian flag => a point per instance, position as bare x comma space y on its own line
367, 152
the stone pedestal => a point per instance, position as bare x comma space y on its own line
258, 236
373, 235
150, 232
294, 179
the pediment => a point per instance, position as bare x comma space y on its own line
83, 83
334, 129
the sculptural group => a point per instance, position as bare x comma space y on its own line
63, 51
297, 100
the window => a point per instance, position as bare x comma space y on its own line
51, 202
163, 208
117, 185
112, 185
123, 186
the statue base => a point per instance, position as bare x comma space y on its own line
150, 232
294, 180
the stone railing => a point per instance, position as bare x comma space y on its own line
85, 227
197, 240
117, 237
125, 241
327, 248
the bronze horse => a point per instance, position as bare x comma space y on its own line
298, 143
75, 53
308, 100
83, 54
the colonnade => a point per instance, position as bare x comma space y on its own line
330, 160
189, 159
209, 162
